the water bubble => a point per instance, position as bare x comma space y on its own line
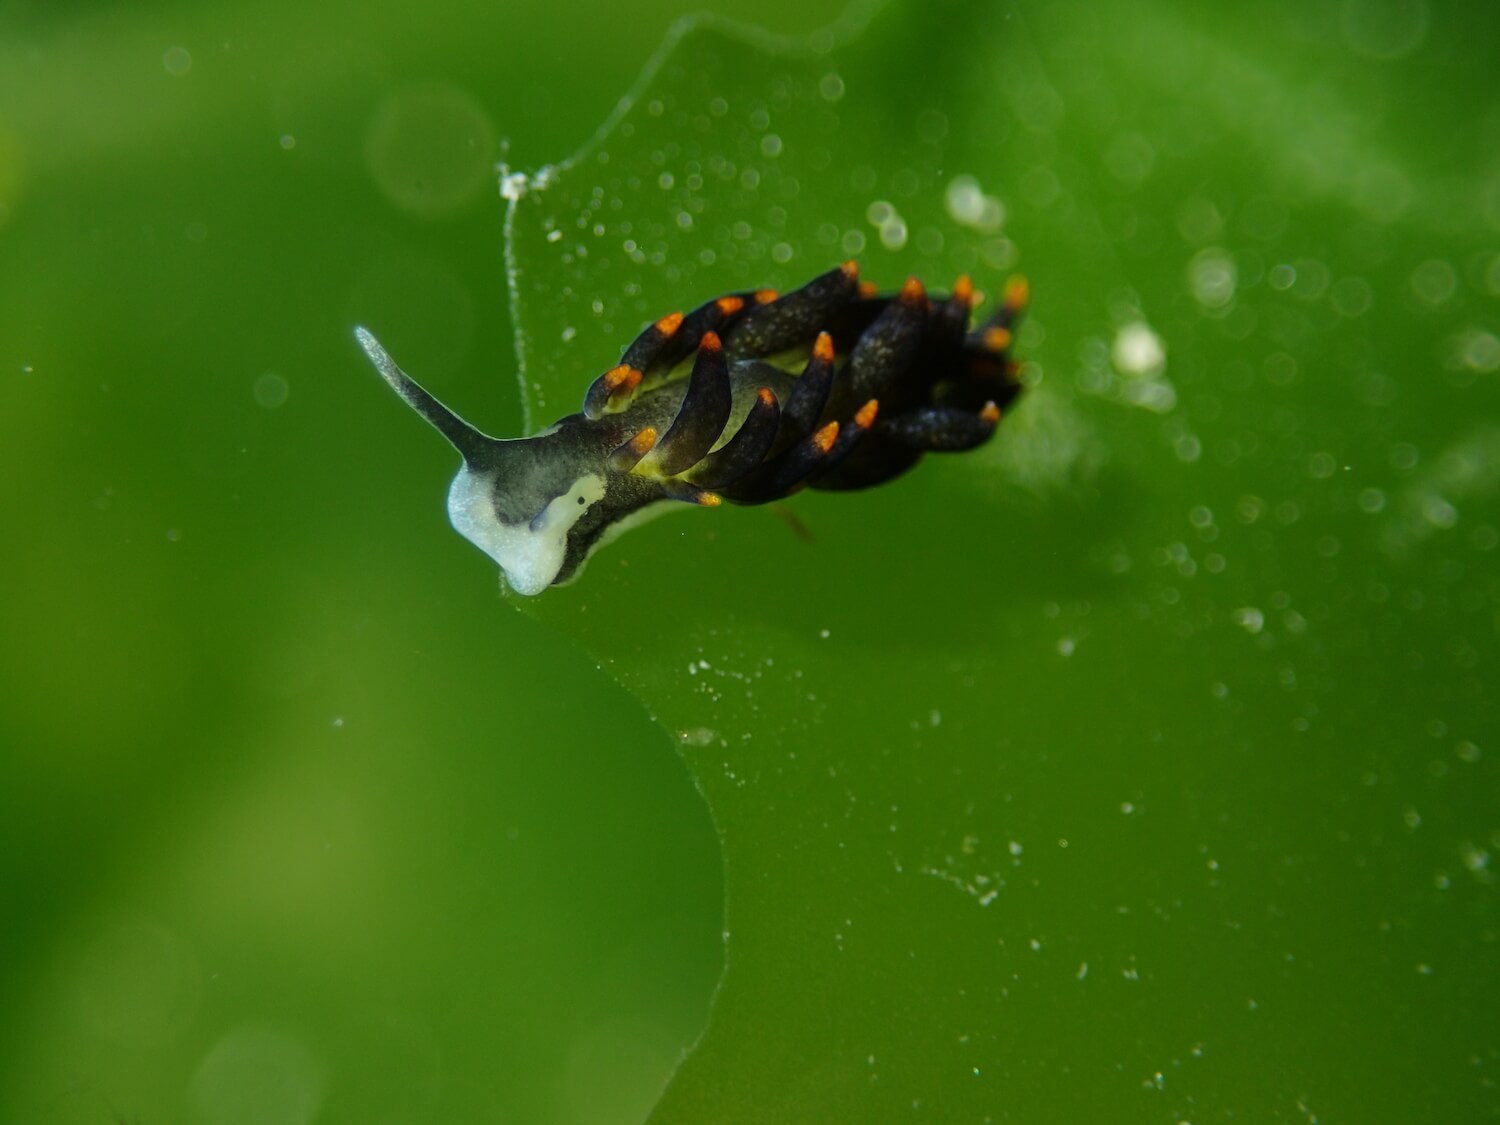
1212, 276
1310, 278
883, 215
1403, 456
930, 241
1352, 296
1198, 220
430, 149
1040, 186
270, 390
258, 1073
1138, 350
1280, 368
1321, 465
176, 61
999, 254
932, 125
1434, 281
1438, 511
831, 87
1479, 350
1129, 159
969, 206
1188, 448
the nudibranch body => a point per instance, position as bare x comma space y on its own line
748, 398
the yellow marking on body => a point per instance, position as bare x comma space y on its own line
708, 499
825, 437
823, 348
669, 324
990, 413
642, 443
765, 296
728, 306
710, 342
997, 339
912, 292
866, 416
850, 269
766, 397
963, 290
868, 289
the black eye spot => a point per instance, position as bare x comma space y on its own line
580, 499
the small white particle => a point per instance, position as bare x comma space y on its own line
513, 185
1250, 619
1138, 351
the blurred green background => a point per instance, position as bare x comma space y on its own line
286, 789
1141, 767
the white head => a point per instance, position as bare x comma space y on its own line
538, 506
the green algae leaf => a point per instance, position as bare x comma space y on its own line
1133, 767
